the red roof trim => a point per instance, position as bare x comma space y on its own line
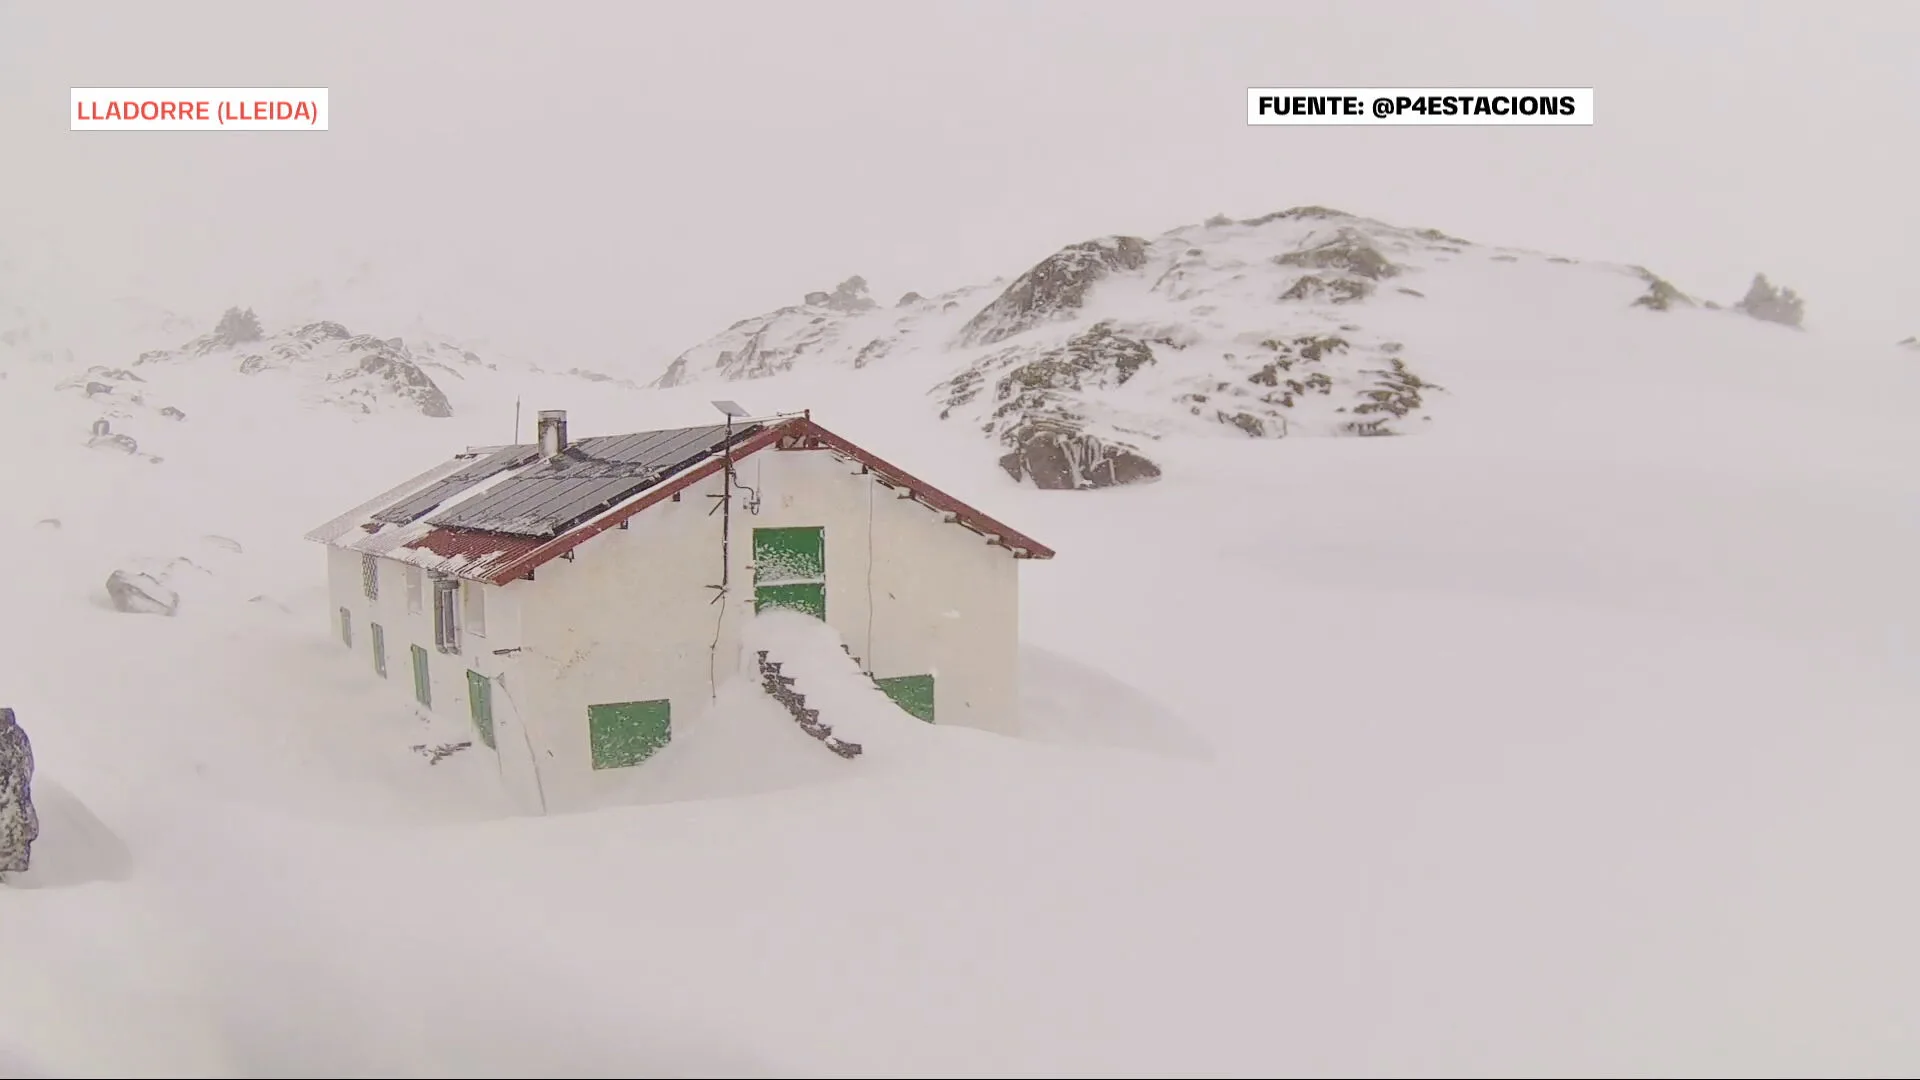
517, 557
470, 544
933, 496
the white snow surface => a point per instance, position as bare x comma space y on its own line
1573, 735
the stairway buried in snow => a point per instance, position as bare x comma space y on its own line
780, 688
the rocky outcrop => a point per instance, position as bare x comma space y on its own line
1056, 286
847, 297
1248, 326
1035, 412
361, 371
1910, 343
390, 370
1347, 252
1058, 455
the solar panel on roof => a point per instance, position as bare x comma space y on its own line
426, 500
591, 476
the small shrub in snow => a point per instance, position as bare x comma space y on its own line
237, 327
1770, 303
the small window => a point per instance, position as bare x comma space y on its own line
370, 576
413, 590
446, 614
378, 636
346, 628
473, 604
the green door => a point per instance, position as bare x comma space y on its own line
790, 570
628, 733
378, 635
480, 705
346, 628
422, 685
914, 693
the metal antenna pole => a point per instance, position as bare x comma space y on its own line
726, 512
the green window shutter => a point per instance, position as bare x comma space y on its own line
914, 693
422, 684
346, 628
810, 599
790, 570
378, 635
784, 556
628, 733
480, 706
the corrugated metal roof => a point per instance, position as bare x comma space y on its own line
591, 476
442, 491
538, 491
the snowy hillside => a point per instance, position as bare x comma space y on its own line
1303, 322
1574, 736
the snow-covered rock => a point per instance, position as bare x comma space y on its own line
1255, 328
138, 593
359, 371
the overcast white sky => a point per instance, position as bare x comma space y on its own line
624, 179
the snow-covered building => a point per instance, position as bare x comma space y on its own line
590, 593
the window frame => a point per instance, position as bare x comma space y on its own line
446, 614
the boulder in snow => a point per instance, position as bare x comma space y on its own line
1057, 456
19, 825
123, 443
141, 594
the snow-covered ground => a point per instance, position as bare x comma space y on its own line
1573, 735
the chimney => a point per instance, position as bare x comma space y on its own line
553, 432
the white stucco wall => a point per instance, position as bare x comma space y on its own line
446, 672
632, 618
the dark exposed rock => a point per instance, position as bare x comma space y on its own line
1057, 456
1339, 290
1033, 414
1911, 343
324, 330
393, 367
1057, 284
172, 413
909, 299
1096, 357
873, 350
19, 822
